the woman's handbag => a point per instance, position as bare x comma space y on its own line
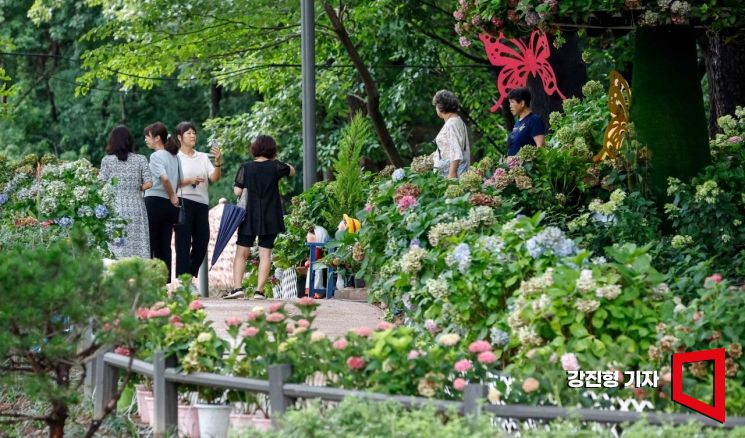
181, 210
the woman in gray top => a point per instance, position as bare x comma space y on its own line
161, 200
131, 175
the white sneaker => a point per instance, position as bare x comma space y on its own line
235, 294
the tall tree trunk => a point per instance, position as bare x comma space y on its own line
58, 416
724, 55
668, 106
371, 89
215, 98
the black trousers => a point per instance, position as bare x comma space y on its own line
161, 216
192, 238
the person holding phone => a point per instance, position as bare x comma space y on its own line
197, 172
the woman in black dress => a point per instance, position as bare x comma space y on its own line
264, 216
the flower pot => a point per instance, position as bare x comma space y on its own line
141, 392
148, 410
244, 423
213, 420
188, 421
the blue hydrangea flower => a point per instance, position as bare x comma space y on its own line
3, 198
499, 337
101, 211
415, 242
461, 256
65, 221
398, 174
120, 241
550, 239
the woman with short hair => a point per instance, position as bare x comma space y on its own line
193, 236
130, 175
529, 128
453, 154
264, 216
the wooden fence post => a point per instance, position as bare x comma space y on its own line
473, 399
277, 376
165, 399
106, 384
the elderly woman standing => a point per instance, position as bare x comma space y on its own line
453, 154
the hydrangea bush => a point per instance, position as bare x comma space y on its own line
57, 197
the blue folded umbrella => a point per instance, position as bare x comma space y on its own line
232, 216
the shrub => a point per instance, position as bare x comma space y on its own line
364, 419
54, 298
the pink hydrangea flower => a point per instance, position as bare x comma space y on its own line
363, 331
487, 357
176, 321
431, 326
355, 363
340, 344
569, 362
253, 315
368, 207
464, 41
459, 384
165, 311
406, 202
124, 351
290, 328
463, 365
734, 139
479, 347
233, 322
513, 162
306, 301
196, 305
530, 384
713, 279
275, 317
250, 332
303, 323
384, 325
142, 313
413, 354
458, 15
275, 307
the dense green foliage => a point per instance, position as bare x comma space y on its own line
59, 308
363, 419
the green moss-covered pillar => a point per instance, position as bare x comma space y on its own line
667, 106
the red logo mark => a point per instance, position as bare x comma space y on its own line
716, 412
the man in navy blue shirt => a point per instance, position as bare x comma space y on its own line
529, 127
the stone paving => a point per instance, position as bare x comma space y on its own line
334, 317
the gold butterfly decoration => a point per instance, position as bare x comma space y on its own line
619, 100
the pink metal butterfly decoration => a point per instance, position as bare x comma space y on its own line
519, 61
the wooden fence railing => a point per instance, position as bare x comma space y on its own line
166, 379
